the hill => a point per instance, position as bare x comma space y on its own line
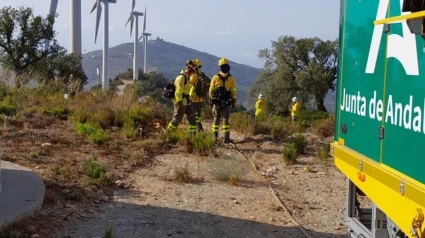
168, 59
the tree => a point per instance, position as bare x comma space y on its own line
22, 49
306, 68
21, 39
61, 65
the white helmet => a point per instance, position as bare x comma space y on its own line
260, 96
294, 99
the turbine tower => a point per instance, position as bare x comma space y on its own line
134, 17
75, 26
98, 6
145, 36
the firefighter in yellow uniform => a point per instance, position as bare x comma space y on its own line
295, 108
260, 108
222, 95
181, 100
197, 101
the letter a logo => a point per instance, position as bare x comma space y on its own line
403, 48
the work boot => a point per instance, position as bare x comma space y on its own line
216, 137
199, 127
227, 139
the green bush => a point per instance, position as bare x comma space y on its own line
96, 172
323, 152
300, 143
203, 142
60, 112
325, 127
290, 154
105, 117
93, 131
129, 129
312, 115
7, 109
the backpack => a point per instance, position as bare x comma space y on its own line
203, 86
221, 95
170, 88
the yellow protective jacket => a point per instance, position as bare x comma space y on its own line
260, 106
230, 84
182, 88
194, 79
295, 110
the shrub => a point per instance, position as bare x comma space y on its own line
300, 143
95, 172
7, 109
203, 142
175, 136
93, 131
60, 112
325, 127
105, 117
182, 174
261, 128
228, 169
290, 154
242, 122
129, 129
323, 153
312, 115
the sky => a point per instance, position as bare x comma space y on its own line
235, 29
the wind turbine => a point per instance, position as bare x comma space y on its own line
145, 36
98, 6
134, 16
75, 26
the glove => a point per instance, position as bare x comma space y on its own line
179, 106
233, 103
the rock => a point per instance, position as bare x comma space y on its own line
272, 219
337, 228
35, 236
321, 173
44, 145
236, 202
252, 217
119, 183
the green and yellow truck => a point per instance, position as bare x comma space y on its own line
379, 139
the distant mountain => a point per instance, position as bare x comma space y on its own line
168, 59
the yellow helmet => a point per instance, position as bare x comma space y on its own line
198, 63
223, 61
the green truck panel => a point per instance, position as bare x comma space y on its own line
379, 85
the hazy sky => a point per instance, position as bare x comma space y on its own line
234, 29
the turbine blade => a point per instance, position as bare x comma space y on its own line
132, 22
141, 37
129, 19
144, 21
98, 15
133, 5
94, 7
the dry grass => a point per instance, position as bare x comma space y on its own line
228, 168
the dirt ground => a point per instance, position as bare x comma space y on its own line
146, 203
156, 207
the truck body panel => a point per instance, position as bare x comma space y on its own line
380, 110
